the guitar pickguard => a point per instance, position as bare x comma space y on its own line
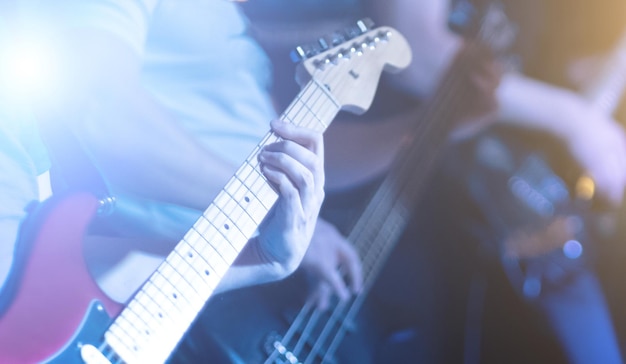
50, 287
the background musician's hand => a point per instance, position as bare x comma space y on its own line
598, 144
332, 264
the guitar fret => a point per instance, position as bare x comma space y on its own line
125, 332
116, 339
127, 327
138, 323
264, 193
169, 292
171, 298
191, 275
162, 304
153, 310
299, 115
313, 98
258, 186
205, 273
176, 278
147, 316
241, 219
212, 232
229, 207
119, 335
205, 265
245, 221
321, 104
333, 106
214, 260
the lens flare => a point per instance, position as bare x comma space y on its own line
27, 68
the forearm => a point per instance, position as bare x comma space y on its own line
537, 105
251, 267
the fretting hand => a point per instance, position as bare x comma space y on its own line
295, 167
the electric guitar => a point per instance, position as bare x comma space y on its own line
314, 336
539, 207
310, 335
52, 311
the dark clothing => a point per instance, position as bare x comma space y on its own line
442, 297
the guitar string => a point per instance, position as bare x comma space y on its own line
307, 308
321, 91
129, 346
308, 305
416, 146
362, 294
329, 107
404, 194
614, 86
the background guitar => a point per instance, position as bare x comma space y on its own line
540, 207
51, 309
281, 327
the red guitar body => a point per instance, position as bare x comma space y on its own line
50, 291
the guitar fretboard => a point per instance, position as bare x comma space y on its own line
151, 325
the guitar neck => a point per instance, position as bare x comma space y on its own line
389, 210
153, 322
607, 90
386, 216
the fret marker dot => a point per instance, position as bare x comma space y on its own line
174, 295
206, 272
190, 255
247, 199
226, 226
160, 315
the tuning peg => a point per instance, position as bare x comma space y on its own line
362, 26
365, 24
303, 52
323, 44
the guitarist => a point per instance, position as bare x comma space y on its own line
167, 98
372, 144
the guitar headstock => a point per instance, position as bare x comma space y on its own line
348, 64
488, 24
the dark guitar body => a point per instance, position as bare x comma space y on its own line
252, 319
524, 181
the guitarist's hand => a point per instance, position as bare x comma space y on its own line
333, 264
598, 144
295, 167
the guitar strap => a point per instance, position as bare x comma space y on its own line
72, 169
